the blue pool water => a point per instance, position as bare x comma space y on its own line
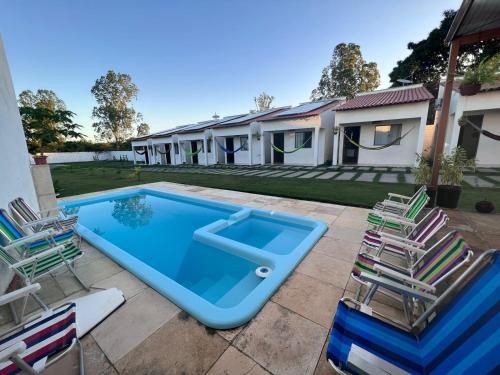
203, 255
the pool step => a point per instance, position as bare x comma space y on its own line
233, 296
217, 290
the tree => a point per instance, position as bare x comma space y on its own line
428, 59
263, 102
142, 129
113, 93
44, 127
46, 121
346, 74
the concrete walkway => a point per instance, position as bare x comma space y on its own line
483, 177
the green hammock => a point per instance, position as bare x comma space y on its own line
192, 153
277, 149
376, 148
163, 153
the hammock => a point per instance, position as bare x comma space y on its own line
192, 153
163, 153
486, 133
229, 151
141, 153
277, 149
376, 148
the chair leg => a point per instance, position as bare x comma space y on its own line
77, 277
82, 359
23, 365
369, 294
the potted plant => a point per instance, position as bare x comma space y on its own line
488, 71
485, 206
423, 173
452, 175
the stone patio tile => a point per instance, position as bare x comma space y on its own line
125, 281
339, 249
327, 218
487, 170
365, 168
495, 178
478, 182
94, 358
348, 221
311, 175
366, 177
482, 223
181, 346
389, 178
326, 268
132, 323
345, 233
409, 178
323, 367
327, 175
309, 297
281, 174
295, 174
230, 334
282, 341
268, 173
347, 168
234, 362
380, 169
345, 176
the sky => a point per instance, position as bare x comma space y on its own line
191, 59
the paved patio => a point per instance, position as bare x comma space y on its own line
481, 177
151, 335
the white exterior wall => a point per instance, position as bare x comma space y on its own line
315, 155
15, 175
485, 103
235, 132
77, 157
409, 115
185, 141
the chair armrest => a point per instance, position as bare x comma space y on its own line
394, 274
35, 257
403, 197
19, 293
399, 288
45, 220
12, 350
393, 217
29, 239
395, 204
405, 244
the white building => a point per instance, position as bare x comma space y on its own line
238, 140
483, 110
378, 118
301, 135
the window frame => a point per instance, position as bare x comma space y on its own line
398, 125
176, 148
306, 136
209, 146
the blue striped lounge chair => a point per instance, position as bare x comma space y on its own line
463, 336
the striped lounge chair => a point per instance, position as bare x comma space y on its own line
463, 338
417, 236
420, 281
11, 234
384, 219
396, 203
26, 216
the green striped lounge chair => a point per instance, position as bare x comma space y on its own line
396, 203
419, 234
26, 216
419, 283
27, 244
386, 220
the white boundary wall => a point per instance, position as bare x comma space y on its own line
76, 157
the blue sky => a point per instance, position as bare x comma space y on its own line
193, 58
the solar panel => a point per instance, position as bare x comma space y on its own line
249, 117
305, 107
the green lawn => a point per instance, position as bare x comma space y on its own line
80, 178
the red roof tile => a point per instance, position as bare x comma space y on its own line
409, 94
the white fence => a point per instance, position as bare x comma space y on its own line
76, 157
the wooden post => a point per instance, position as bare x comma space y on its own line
445, 111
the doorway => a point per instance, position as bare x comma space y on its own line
167, 154
279, 142
146, 155
350, 152
194, 148
468, 137
230, 147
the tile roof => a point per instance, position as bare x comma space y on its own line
400, 95
305, 110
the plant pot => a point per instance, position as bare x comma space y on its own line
448, 196
485, 207
469, 89
40, 159
431, 192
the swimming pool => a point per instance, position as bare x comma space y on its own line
217, 261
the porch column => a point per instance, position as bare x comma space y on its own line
316, 146
180, 151
172, 153
250, 146
205, 149
133, 154
335, 153
421, 136
262, 149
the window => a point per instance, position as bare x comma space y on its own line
176, 148
209, 146
303, 139
244, 143
385, 134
